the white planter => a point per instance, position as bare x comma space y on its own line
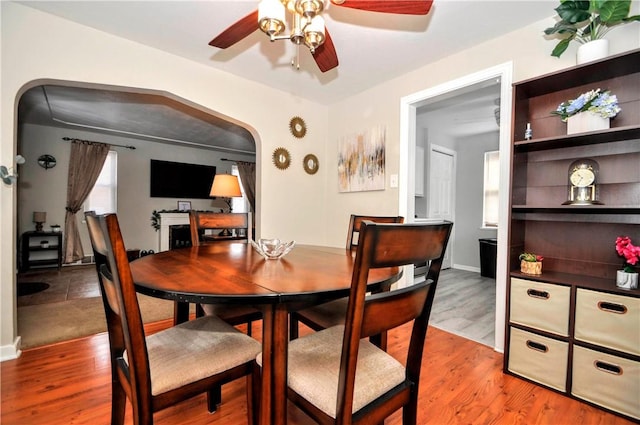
626, 280
586, 121
593, 50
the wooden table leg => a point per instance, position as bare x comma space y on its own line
180, 312
268, 314
280, 349
273, 398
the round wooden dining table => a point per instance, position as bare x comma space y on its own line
235, 273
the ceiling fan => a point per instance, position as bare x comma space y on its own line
307, 24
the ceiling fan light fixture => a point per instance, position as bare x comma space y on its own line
271, 17
314, 34
309, 8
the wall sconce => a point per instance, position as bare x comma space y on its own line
8, 175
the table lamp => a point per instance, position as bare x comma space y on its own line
225, 186
39, 217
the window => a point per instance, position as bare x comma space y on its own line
103, 196
491, 185
239, 205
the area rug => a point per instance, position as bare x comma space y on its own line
30, 288
49, 323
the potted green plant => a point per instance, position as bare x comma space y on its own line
588, 20
530, 263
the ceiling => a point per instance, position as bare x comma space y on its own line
371, 47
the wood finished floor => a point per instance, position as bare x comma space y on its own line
461, 383
462, 380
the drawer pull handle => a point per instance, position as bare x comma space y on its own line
537, 346
612, 307
535, 293
608, 367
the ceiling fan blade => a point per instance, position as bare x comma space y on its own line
325, 55
236, 32
402, 7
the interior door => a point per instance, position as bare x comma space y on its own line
442, 164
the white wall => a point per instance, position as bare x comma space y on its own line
294, 205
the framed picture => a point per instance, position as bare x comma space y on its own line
361, 161
184, 205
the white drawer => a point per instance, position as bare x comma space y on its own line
608, 320
606, 380
540, 305
538, 358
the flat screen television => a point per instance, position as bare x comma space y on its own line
180, 180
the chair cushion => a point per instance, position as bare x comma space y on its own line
195, 350
314, 366
328, 314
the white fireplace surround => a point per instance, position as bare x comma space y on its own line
170, 219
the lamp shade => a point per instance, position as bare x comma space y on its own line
39, 216
226, 186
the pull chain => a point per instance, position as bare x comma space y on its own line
295, 62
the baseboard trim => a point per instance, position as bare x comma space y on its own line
466, 268
10, 352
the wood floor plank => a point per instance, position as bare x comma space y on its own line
462, 383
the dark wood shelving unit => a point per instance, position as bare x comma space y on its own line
576, 241
35, 255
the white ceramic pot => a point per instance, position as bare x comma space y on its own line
626, 280
586, 121
593, 50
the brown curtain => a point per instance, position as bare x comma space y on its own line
85, 164
247, 171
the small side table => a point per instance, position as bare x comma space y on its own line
41, 249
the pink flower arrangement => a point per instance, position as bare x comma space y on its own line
629, 252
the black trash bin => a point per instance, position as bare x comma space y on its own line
488, 252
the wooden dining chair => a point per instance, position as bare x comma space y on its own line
333, 313
336, 375
170, 366
201, 221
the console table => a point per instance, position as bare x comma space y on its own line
41, 249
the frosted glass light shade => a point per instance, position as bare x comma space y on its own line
271, 17
314, 33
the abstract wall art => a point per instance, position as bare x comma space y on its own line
361, 161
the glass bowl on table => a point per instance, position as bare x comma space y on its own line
273, 249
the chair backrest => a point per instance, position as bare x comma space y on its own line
356, 221
124, 322
390, 245
200, 221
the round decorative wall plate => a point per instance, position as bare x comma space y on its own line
310, 164
281, 158
298, 127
